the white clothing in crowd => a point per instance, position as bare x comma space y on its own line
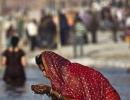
32, 29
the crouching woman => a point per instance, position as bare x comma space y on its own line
72, 81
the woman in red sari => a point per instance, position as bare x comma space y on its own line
72, 81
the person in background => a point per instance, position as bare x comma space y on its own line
79, 33
32, 31
64, 28
11, 31
20, 26
47, 32
14, 60
127, 27
72, 81
109, 22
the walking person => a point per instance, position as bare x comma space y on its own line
79, 33
32, 31
72, 81
14, 60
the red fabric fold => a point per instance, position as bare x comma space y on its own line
76, 81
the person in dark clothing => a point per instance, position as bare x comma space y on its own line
11, 31
64, 29
90, 19
47, 32
94, 25
14, 60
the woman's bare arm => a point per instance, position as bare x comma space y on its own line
55, 95
24, 61
4, 59
45, 89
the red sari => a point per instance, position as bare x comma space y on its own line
75, 81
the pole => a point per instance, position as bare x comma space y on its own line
2, 35
1, 45
57, 5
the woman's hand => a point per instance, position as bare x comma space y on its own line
45, 89
41, 89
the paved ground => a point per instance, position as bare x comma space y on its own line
109, 54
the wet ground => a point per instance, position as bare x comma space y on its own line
119, 78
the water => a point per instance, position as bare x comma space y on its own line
117, 77
120, 80
34, 76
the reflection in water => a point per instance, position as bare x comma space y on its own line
118, 77
14, 92
19, 93
40, 97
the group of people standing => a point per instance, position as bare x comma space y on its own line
42, 33
36, 34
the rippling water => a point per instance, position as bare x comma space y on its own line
118, 78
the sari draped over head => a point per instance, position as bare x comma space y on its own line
75, 81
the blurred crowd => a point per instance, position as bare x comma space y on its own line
47, 30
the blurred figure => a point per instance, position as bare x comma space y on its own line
14, 60
90, 19
120, 13
115, 28
128, 70
127, 29
11, 31
64, 29
72, 81
79, 32
32, 31
109, 22
47, 32
94, 25
20, 26
120, 3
